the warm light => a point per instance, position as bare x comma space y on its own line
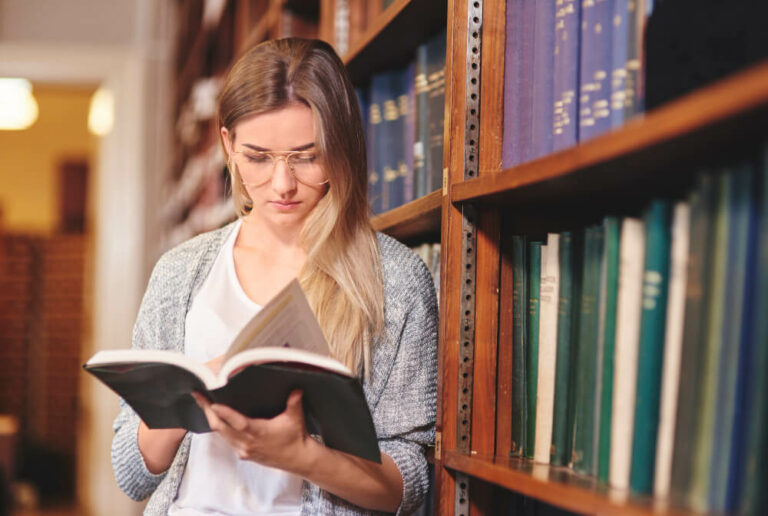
101, 114
18, 108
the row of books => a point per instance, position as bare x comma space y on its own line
641, 346
573, 70
404, 112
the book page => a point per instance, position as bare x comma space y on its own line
287, 321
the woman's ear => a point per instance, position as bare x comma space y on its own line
227, 142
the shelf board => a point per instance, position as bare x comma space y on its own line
417, 219
558, 486
729, 110
392, 38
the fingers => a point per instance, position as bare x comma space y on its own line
231, 417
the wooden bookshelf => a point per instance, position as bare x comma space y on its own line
416, 220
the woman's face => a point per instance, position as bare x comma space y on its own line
278, 197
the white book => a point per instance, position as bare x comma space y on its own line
545, 389
673, 346
628, 310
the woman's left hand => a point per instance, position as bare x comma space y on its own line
281, 442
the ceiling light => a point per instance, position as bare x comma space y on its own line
18, 108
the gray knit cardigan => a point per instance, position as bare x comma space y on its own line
401, 391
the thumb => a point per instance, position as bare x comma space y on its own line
293, 404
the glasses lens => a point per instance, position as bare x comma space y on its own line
256, 168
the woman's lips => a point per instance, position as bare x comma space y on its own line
285, 205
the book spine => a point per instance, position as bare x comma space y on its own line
594, 86
584, 429
391, 148
532, 341
704, 432
374, 142
545, 389
633, 90
702, 202
628, 309
754, 469
420, 154
620, 45
608, 301
543, 75
436, 76
651, 351
408, 114
566, 74
727, 373
519, 347
510, 146
568, 303
526, 73
673, 344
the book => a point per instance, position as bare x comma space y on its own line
510, 149
619, 48
436, 49
281, 349
594, 85
525, 130
407, 104
651, 347
519, 346
373, 134
421, 122
390, 151
545, 388
607, 340
565, 124
673, 344
542, 80
631, 246
532, 341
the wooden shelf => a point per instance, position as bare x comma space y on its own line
558, 486
417, 220
731, 110
392, 38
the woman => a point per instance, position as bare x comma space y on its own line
291, 129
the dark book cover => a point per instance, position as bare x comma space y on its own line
391, 150
596, 63
609, 288
525, 131
543, 78
586, 362
436, 79
532, 341
566, 74
375, 103
510, 147
519, 345
650, 354
421, 122
634, 87
408, 114
622, 18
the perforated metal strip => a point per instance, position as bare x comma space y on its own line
468, 250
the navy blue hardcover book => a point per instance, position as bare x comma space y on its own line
619, 49
566, 74
510, 147
420, 154
526, 76
596, 64
395, 169
543, 76
408, 113
436, 79
376, 101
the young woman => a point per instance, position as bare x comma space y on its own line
291, 130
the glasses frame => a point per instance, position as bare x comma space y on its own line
276, 156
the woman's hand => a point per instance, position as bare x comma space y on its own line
215, 364
281, 442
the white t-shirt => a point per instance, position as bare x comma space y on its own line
216, 481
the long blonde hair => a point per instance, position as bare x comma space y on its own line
342, 274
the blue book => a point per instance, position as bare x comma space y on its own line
510, 149
728, 364
566, 74
436, 83
389, 149
525, 130
378, 92
620, 47
634, 90
596, 64
421, 130
408, 113
543, 76
653, 318
394, 126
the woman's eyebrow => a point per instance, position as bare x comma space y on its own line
306, 146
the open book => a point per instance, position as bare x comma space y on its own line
281, 349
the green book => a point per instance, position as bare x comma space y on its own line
609, 288
532, 353
703, 436
754, 495
567, 325
584, 421
519, 337
703, 204
653, 318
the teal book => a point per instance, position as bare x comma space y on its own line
728, 364
567, 327
586, 382
609, 289
532, 353
651, 351
519, 348
752, 493
703, 204
703, 436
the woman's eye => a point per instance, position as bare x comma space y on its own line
305, 159
252, 158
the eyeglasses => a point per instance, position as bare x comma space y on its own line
256, 168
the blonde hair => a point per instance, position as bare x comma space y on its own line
342, 274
